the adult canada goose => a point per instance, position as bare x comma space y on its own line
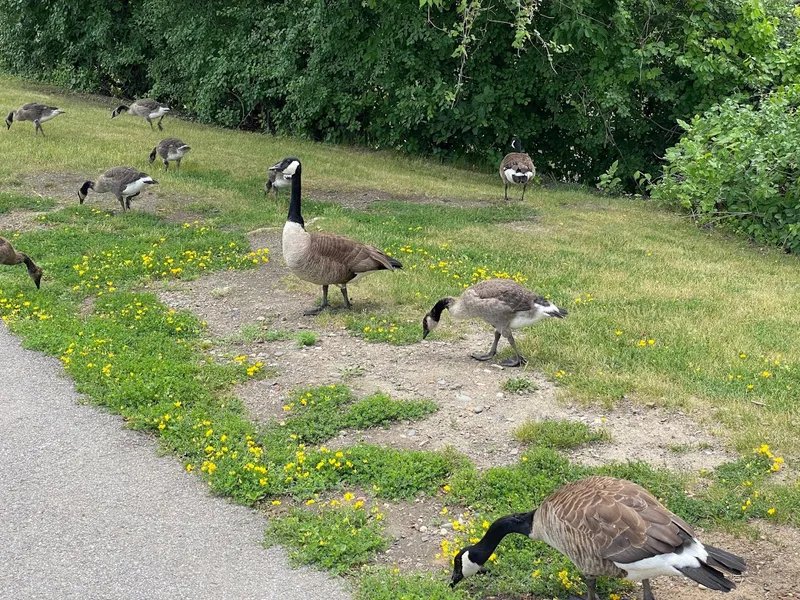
324, 258
613, 528
276, 180
33, 111
517, 167
124, 182
170, 149
147, 108
9, 256
502, 303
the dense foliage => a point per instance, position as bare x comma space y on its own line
582, 82
737, 165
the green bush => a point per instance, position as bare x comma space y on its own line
736, 166
582, 83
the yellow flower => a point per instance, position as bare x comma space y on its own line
310, 502
485, 524
444, 511
276, 503
348, 497
771, 511
358, 504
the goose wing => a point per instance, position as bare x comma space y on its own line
117, 178
506, 295
31, 110
626, 523
518, 161
147, 104
347, 257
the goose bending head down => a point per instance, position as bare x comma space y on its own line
147, 108
10, 256
613, 528
517, 168
33, 111
504, 304
323, 258
170, 149
124, 182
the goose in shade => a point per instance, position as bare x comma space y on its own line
124, 182
32, 111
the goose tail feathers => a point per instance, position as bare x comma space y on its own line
725, 560
709, 577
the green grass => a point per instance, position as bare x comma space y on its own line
558, 434
519, 385
306, 338
9, 202
335, 537
659, 311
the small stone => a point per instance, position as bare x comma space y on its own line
514, 451
423, 529
260, 319
442, 383
443, 532
411, 433
279, 353
500, 394
426, 538
650, 405
478, 409
463, 398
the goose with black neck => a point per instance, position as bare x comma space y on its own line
324, 259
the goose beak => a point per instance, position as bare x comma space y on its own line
37, 279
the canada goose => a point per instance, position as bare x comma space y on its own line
613, 528
32, 111
124, 182
147, 108
517, 167
324, 258
9, 256
502, 303
276, 180
170, 149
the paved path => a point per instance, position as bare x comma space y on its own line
89, 511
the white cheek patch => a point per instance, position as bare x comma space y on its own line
467, 566
290, 170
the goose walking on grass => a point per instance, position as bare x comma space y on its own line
613, 528
324, 258
124, 182
276, 180
502, 303
147, 108
10, 256
33, 111
517, 168
170, 149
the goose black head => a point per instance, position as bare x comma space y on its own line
87, 185
288, 167
153, 155
431, 320
466, 564
119, 109
516, 144
9, 119
36, 274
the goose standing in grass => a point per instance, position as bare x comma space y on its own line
9, 256
276, 180
147, 108
33, 111
502, 303
124, 182
613, 528
517, 168
170, 149
324, 258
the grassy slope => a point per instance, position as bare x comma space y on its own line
702, 298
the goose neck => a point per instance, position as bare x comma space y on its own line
295, 215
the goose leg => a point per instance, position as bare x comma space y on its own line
591, 593
316, 310
129, 198
492, 350
513, 362
166, 165
38, 128
151, 124
506, 190
178, 165
648, 593
121, 202
346, 299
524, 185
160, 128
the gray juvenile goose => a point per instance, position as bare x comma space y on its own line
324, 258
147, 108
170, 149
517, 167
33, 111
276, 180
613, 528
502, 303
124, 182
9, 256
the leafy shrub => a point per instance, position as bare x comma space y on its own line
736, 166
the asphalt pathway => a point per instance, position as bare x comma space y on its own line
88, 510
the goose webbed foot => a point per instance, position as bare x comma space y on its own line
591, 593
318, 309
492, 350
519, 361
347, 304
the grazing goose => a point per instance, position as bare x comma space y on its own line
613, 528
502, 303
276, 180
32, 111
324, 258
170, 149
9, 256
124, 182
517, 168
147, 108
